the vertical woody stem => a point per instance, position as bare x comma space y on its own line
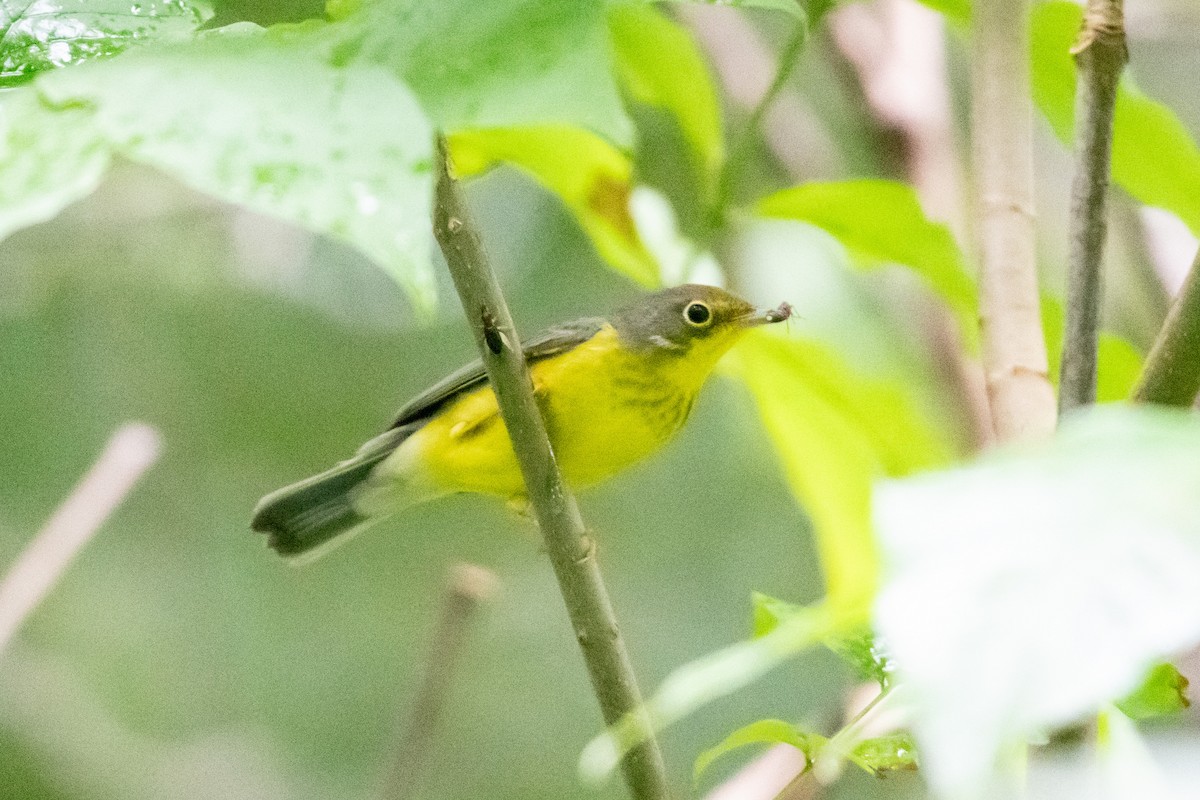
1014, 351
572, 552
1172, 372
1100, 56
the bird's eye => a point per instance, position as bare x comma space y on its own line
697, 314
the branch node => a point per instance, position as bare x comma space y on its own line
587, 549
1103, 23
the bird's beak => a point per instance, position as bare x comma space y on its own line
769, 317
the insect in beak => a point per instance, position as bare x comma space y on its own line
769, 317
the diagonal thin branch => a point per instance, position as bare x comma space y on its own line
466, 587
129, 453
1100, 56
572, 552
1172, 372
1014, 350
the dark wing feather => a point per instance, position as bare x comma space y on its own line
551, 342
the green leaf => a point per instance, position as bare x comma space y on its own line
644, 41
590, 176
49, 158
858, 649
497, 64
35, 37
888, 753
709, 678
261, 121
883, 221
863, 652
1163, 692
764, 731
1029, 589
836, 432
1153, 156
769, 612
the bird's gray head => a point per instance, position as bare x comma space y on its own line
691, 319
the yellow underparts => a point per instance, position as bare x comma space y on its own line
605, 408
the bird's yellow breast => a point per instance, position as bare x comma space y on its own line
605, 409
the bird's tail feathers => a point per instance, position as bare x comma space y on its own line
308, 519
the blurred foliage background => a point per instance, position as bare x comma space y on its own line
179, 658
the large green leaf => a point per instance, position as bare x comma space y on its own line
48, 159
659, 64
1153, 156
37, 36
883, 221
316, 123
590, 176
1029, 589
836, 432
494, 64
258, 119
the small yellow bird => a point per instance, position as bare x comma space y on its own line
612, 392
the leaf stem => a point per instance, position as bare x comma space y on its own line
572, 551
1100, 57
1172, 372
841, 745
1014, 350
741, 149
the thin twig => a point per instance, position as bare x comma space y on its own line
467, 587
897, 51
1172, 372
746, 66
129, 453
742, 147
571, 550
1014, 350
1100, 56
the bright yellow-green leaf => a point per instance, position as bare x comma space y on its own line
659, 64
1163, 692
955, 10
883, 221
836, 432
590, 176
769, 612
1153, 157
764, 731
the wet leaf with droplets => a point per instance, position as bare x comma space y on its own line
47, 34
259, 119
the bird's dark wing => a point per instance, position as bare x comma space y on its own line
551, 342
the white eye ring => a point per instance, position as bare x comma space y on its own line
697, 314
